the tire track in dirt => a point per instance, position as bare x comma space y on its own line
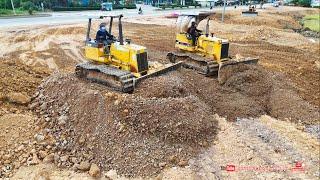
258, 151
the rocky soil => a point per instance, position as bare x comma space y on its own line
84, 126
88, 123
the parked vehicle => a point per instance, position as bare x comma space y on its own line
107, 6
276, 4
219, 3
233, 2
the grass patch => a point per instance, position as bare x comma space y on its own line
9, 12
312, 22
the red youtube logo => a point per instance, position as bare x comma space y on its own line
230, 168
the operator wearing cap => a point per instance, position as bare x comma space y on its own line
103, 36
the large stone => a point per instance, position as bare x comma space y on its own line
42, 154
112, 174
39, 137
44, 106
49, 158
20, 148
84, 166
18, 98
183, 163
2, 97
34, 161
64, 158
94, 170
62, 120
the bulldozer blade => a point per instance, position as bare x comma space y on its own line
198, 63
249, 13
160, 71
224, 74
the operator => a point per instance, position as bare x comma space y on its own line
194, 32
140, 10
103, 36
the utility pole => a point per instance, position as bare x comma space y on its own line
14, 11
224, 10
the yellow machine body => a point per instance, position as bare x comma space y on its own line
210, 54
116, 62
124, 57
206, 46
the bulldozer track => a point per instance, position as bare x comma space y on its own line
112, 77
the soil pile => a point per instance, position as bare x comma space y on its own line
135, 135
178, 120
250, 91
170, 85
248, 80
167, 121
17, 84
18, 77
285, 103
282, 21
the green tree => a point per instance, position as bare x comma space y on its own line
305, 3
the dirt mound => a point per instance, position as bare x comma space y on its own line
134, 135
250, 91
170, 85
66, 30
17, 77
285, 103
179, 120
282, 21
250, 81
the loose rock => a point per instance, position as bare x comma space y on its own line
94, 170
18, 98
49, 158
62, 120
84, 166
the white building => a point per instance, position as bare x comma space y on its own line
206, 3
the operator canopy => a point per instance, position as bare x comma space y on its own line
184, 21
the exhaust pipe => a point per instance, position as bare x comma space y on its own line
88, 31
120, 30
207, 28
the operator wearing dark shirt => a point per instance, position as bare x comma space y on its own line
103, 36
194, 32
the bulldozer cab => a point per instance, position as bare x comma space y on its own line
252, 8
184, 21
93, 42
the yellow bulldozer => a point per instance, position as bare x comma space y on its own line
209, 54
118, 64
251, 12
